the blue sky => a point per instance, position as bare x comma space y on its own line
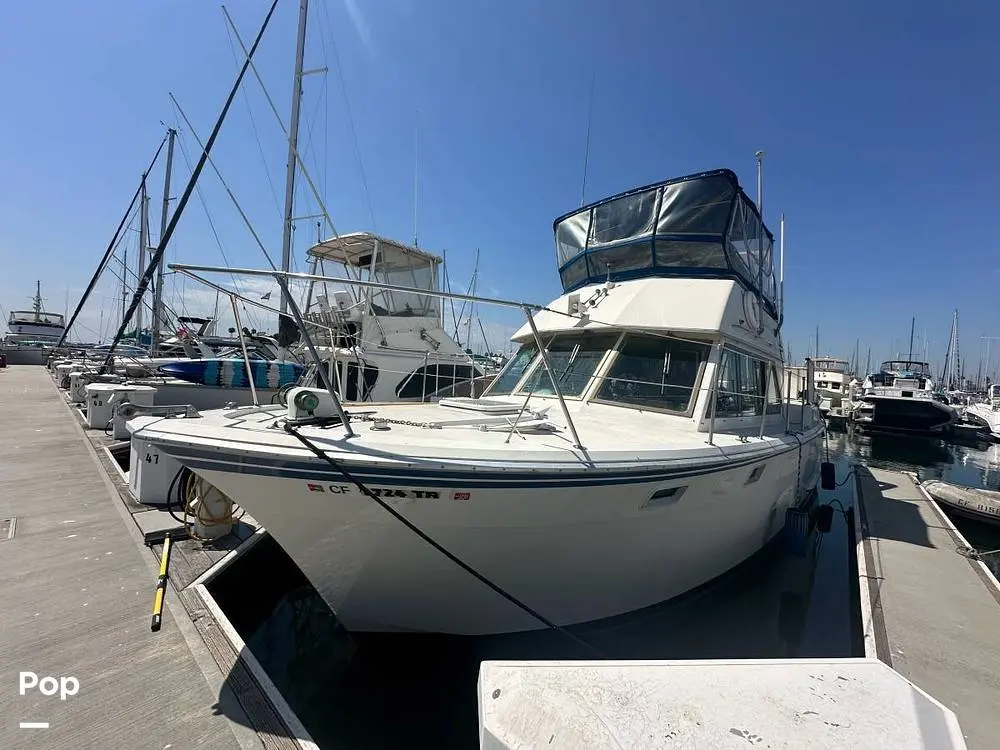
879, 121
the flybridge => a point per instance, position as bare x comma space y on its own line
698, 225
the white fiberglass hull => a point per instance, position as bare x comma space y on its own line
988, 418
573, 551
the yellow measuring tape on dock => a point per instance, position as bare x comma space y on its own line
161, 586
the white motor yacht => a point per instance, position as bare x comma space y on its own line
32, 333
987, 413
646, 449
832, 382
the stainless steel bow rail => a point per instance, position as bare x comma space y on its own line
283, 277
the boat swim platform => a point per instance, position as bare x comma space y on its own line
928, 611
76, 592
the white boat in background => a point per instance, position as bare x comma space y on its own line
32, 334
986, 414
646, 449
832, 381
383, 344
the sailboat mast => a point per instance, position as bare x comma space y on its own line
293, 138
143, 245
164, 215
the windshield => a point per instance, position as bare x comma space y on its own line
907, 367
573, 359
512, 373
831, 365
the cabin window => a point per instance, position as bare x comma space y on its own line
740, 390
515, 369
573, 359
427, 380
654, 372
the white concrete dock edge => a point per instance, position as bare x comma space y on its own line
302, 738
864, 591
820, 704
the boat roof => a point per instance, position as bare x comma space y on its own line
357, 249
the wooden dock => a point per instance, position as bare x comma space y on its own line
929, 612
76, 589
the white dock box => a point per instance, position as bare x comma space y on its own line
150, 472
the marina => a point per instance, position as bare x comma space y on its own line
792, 601
507, 425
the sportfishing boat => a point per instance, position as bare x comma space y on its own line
986, 414
636, 446
387, 345
832, 381
32, 333
901, 397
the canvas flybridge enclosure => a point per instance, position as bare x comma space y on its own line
698, 225
369, 257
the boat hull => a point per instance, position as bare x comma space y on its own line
983, 416
575, 550
232, 373
27, 355
910, 415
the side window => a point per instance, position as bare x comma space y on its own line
654, 372
740, 386
511, 374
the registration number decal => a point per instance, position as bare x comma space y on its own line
394, 493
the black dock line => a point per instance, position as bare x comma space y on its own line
320, 453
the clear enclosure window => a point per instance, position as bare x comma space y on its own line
573, 359
654, 372
512, 373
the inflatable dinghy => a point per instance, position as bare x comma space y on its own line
981, 505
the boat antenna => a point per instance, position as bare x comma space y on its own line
416, 114
759, 156
586, 148
186, 195
781, 272
913, 323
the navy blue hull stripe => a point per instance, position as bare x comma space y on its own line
318, 471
